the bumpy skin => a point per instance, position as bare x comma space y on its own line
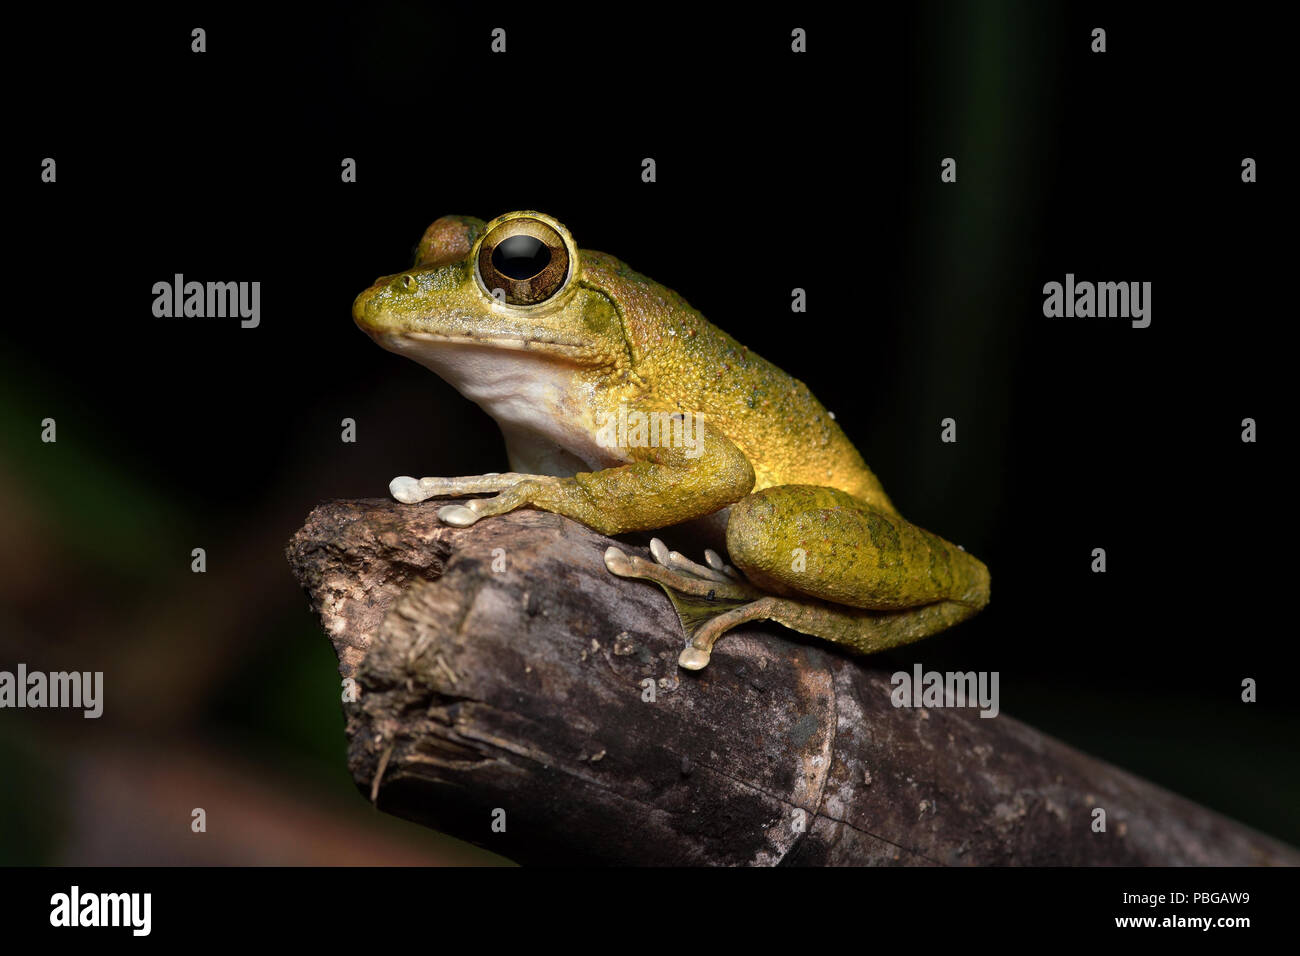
692, 365
824, 550
864, 557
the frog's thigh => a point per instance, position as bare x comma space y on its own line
794, 540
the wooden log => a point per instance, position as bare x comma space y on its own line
506, 677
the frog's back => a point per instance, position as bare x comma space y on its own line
692, 365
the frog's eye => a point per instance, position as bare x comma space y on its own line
526, 259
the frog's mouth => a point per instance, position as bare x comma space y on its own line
489, 363
408, 342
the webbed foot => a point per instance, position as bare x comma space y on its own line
710, 599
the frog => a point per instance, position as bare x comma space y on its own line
624, 409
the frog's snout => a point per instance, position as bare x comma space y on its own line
365, 307
361, 306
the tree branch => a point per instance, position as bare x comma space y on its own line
524, 690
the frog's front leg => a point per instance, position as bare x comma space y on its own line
659, 486
411, 491
823, 563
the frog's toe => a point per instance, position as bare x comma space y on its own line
714, 560
458, 516
616, 562
406, 489
679, 576
679, 562
693, 659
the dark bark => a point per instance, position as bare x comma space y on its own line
524, 689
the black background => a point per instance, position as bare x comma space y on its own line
774, 171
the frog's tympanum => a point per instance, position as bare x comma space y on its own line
624, 409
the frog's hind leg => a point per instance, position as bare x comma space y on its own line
711, 600
822, 563
710, 605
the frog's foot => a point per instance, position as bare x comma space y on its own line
412, 490
710, 599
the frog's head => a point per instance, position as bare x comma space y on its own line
491, 296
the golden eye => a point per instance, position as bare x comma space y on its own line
526, 259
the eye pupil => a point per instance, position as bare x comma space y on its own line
521, 257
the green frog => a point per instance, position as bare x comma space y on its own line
624, 409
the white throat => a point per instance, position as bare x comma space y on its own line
544, 412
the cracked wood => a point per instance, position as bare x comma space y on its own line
523, 689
